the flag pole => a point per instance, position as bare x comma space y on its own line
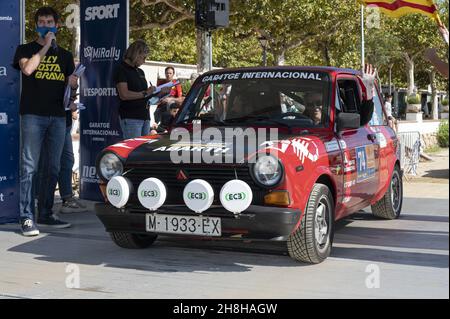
442, 29
362, 39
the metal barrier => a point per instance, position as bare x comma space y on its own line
410, 151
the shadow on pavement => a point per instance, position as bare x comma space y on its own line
425, 218
392, 257
395, 238
164, 256
87, 243
438, 173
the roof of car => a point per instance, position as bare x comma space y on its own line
327, 69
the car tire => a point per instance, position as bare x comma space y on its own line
390, 206
311, 242
132, 241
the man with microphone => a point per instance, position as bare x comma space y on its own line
46, 69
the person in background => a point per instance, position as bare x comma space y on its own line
175, 95
42, 116
392, 121
166, 120
70, 204
424, 105
133, 91
429, 109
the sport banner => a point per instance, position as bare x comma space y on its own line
10, 29
104, 38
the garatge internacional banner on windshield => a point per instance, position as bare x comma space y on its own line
104, 34
10, 23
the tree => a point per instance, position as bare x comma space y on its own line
290, 24
307, 32
286, 24
414, 33
166, 14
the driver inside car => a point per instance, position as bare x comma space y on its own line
313, 107
236, 108
316, 115
239, 107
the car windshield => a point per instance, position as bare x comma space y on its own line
289, 100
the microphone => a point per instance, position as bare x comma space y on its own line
54, 46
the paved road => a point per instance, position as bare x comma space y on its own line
411, 255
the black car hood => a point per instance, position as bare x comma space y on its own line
197, 150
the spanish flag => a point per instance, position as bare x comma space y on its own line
398, 8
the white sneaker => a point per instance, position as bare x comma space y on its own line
29, 228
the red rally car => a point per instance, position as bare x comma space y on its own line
276, 153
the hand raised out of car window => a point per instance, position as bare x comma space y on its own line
368, 81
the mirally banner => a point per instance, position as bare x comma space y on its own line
104, 38
10, 29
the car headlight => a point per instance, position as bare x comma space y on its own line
110, 166
268, 171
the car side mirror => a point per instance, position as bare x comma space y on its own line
348, 121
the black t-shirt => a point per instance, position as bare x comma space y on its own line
135, 78
43, 91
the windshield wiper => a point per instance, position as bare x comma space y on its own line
259, 118
203, 119
247, 118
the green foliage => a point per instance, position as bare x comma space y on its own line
186, 86
432, 149
292, 24
442, 134
413, 99
170, 45
307, 32
445, 102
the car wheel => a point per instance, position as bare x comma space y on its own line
132, 241
311, 242
390, 206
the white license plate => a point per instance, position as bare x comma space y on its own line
188, 225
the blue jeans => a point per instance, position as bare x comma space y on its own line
65, 173
37, 131
132, 128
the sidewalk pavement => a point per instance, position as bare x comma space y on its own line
434, 171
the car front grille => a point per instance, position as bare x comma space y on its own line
217, 176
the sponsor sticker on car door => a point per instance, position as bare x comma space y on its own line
365, 163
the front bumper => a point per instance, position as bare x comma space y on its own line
257, 222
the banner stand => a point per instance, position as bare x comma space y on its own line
104, 39
12, 30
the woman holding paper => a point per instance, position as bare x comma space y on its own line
133, 91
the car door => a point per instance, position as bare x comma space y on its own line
386, 138
360, 150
